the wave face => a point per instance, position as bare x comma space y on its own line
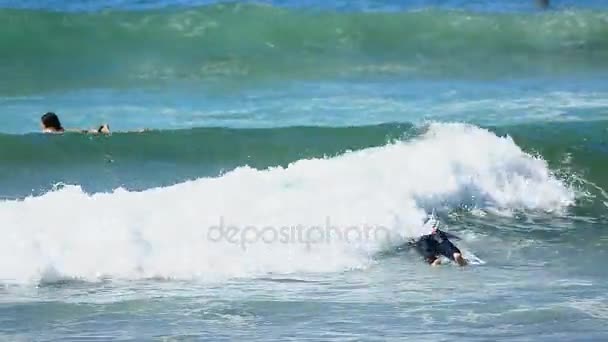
236, 43
264, 146
156, 158
172, 231
138, 161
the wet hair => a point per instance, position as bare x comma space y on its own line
51, 120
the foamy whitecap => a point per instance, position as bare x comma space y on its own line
318, 215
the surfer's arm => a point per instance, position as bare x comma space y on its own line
447, 235
460, 260
103, 129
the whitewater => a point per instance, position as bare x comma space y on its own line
164, 232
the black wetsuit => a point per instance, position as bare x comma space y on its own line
433, 245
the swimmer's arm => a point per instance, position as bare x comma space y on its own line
75, 130
103, 129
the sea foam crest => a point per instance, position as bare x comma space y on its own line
317, 215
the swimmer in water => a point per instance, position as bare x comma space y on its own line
50, 124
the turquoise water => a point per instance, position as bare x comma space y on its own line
291, 148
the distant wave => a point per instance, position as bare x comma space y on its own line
257, 43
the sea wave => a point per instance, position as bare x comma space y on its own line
172, 232
52, 51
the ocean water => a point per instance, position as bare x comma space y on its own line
269, 159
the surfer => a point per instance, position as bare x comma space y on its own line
432, 246
50, 124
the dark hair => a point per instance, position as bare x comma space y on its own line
51, 120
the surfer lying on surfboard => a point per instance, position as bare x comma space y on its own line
437, 243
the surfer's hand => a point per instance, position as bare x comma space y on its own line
104, 129
460, 260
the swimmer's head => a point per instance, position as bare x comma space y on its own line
50, 123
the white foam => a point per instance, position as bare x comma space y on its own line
164, 232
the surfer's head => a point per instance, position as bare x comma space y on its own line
50, 123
